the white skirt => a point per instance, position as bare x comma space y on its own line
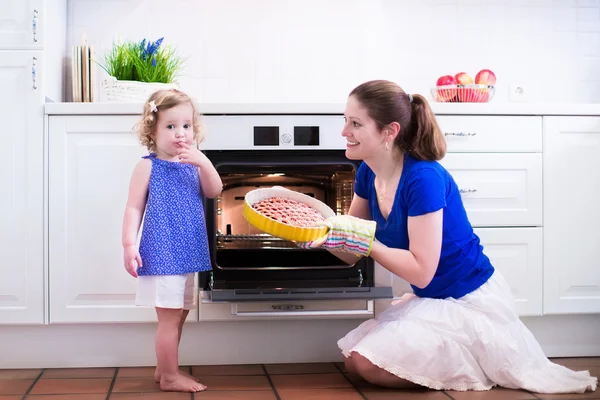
472, 343
167, 291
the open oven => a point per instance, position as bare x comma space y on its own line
298, 153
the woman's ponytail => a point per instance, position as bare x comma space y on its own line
424, 138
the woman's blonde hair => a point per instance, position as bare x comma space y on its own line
162, 100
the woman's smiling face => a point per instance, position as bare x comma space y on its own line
363, 139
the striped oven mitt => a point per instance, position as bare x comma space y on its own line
346, 233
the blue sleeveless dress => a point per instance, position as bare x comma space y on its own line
174, 239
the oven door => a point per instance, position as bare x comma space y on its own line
249, 265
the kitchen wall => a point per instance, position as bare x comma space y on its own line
318, 50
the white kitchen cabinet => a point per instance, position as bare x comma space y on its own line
571, 215
21, 180
91, 159
499, 189
21, 24
516, 253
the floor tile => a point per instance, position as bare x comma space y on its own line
78, 373
341, 366
360, 383
151, 396
493, 394
11, 397
235, 395
310, 381
71, 386
236, 383
135, 385
307, 368
588, 395
584, 362
205, 370
19, 373
319, 394
391, 394
136, 372
16, 386
66, 397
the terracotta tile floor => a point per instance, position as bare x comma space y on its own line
327, 381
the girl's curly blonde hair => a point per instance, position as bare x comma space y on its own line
162, 100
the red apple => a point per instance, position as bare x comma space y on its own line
446, 95
463, 78
446, 80
485, 77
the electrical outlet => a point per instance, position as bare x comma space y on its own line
517, 93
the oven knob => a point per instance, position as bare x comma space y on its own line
286, 138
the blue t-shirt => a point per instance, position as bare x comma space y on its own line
425, 187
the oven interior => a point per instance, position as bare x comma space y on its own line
249, 264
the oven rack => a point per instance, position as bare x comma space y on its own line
257, 240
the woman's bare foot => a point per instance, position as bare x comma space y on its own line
180, 384
181, 372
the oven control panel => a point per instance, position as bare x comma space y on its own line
301, 136
244, 132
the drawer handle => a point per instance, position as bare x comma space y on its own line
459, 134
298, 312
34, 73
470, 190
34, 25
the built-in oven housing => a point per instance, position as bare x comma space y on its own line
299, 153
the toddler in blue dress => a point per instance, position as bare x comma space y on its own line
166, 192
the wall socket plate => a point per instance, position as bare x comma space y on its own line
517, 93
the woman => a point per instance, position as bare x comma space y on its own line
460, 329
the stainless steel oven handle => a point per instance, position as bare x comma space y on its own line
256, 314
323, 313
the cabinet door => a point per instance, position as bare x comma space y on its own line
515, 252
499, 189
571, 215
21, 25
91, 159
21, 193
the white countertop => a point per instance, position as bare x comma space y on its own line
330, 108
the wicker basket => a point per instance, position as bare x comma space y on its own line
463, 93
131, 91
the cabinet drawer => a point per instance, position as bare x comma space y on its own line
499, 189
494, 134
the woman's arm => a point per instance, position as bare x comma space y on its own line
359, 208
418, 264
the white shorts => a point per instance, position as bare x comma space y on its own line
167, 291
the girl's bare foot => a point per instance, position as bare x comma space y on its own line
180, 383
181, 372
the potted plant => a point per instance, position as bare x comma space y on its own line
137, 69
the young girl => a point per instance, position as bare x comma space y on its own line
166, 190
460, 330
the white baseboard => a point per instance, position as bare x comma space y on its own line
240, 342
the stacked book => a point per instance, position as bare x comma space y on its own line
83, 73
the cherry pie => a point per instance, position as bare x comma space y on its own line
289, 212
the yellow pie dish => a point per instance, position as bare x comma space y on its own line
279, 229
